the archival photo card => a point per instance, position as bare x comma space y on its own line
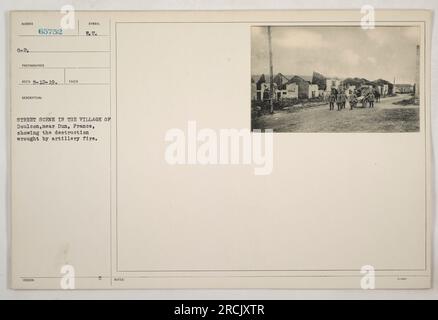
335, 78
143, 159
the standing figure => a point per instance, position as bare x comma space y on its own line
339, 101
332, 100
377, 94
343, 100
371, 99
352, 101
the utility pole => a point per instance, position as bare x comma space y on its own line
271, 71
417, 75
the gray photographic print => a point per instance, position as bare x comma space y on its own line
335, 78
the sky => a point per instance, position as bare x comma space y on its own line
383, 52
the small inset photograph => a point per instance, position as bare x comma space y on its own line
335, 78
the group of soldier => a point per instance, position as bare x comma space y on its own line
340, 98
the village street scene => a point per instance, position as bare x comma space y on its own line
346, 79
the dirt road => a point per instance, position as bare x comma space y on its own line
384, 117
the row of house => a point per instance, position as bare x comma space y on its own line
349, 87
284, 88
383, 90
296, 87
404, 88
